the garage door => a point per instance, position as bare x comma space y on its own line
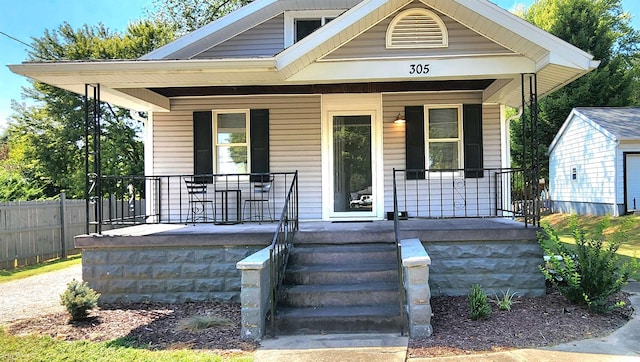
633, 182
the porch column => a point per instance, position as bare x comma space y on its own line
92, 163
531, 142
415, 264
254, 294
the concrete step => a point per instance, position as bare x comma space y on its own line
324, 295
343, 254
348, 319
341, 273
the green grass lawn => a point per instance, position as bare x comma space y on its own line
629, 251
39, 348
44, 348
31, 270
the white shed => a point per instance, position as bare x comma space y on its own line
594, 162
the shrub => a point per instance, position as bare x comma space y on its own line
505, 302
478, 303
589, 272
78, 298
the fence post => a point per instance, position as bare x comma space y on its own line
63, 225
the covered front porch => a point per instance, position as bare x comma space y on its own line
192, 262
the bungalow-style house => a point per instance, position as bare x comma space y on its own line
364, 143
594, 162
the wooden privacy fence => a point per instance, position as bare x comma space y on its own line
35, 231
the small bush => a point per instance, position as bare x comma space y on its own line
590, 272
478, 303
78, 298
505, 302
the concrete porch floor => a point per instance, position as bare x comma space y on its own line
487, 229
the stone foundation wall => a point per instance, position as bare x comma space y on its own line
457, 266
165, 274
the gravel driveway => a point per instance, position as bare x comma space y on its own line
37, 295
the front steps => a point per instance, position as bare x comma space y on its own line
336, 288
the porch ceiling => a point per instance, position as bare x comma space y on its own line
370, 87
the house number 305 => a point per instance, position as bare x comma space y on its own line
418, 68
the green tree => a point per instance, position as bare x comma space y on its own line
50, 133
188, 15
601, 28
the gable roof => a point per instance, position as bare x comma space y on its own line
617, 123
128, 83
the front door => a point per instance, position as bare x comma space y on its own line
351, 160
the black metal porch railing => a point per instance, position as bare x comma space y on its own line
467, 193
402, 294
281, 246
230, 198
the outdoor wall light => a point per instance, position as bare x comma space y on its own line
400, 119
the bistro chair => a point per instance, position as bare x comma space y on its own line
259, 197
198, 201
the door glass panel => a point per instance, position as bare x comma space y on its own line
352, 168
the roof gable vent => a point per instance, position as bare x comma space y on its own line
417, 28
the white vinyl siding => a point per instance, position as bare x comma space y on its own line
591, 153
394, 155
294, 140
263, 40
372, 44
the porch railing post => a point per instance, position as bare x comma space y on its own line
93, 179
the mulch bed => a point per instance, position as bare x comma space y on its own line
532, 322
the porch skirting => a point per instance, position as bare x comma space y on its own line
495, 265
166, 267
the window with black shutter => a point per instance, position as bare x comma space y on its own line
202, 146
414, 141
436, 137
225, 141
473, 155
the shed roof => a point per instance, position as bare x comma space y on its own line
622, 122
617, 123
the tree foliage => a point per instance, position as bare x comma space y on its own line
188, 15
46, 138
601, 28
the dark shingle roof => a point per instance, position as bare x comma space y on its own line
622, 122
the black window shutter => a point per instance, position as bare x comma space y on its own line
259, 138
414, 141
472, 128
202, 144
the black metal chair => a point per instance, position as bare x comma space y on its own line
259, 196
198, 201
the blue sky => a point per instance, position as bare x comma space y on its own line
24, 19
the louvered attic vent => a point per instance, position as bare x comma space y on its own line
417, 28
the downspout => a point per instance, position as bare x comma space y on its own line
506, 164
147, 125
507, 132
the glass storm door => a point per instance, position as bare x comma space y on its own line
352, 167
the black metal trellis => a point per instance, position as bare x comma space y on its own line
530, 140
92, 167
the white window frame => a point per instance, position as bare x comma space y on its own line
291, 16
459, 139
247, 144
